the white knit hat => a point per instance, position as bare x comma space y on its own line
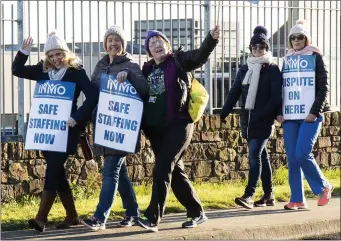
54, 42
118, 31
299, 28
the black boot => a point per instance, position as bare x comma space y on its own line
268, 199
244, 201
71, 213
46, 202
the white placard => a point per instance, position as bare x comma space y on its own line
119, 115
298, 86
50, 109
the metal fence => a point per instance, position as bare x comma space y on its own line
83, 23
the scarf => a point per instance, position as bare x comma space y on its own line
252, 77
57, 74
308, 50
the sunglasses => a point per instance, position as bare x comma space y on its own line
258, 46
298, 37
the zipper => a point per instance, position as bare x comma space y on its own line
248, 124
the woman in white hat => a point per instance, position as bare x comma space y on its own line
300, 134
59, 64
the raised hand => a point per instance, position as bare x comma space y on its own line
215, 32
27, 44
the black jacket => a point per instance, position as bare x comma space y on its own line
188, 61
135, 77
81, 115
320, 104
256, 123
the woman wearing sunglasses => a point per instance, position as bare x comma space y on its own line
300, 135
259, 84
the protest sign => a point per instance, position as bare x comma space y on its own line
119, 115
298, 86
50, 109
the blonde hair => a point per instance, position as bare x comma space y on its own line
71, 60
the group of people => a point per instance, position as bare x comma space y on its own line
164, 84
259, 83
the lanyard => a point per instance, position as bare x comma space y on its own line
155, 80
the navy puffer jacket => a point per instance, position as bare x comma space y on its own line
256, 123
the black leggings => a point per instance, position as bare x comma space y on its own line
55, 175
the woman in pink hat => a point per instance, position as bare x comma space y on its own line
300, 134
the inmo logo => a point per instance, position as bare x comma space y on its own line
121, 87
296, 63
55, 89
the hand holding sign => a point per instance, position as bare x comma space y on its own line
71, 122
119, 114
280, 119
215, 32
51, 107
121, 76
310, 118
27, 44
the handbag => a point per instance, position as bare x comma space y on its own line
85, 145
198, 100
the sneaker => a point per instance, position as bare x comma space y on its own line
94, 224
127, 222
193, 222
146, 224
325, 196
244, 201
295, 206
266, 200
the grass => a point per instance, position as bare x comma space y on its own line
213, 196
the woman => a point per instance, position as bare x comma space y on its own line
120, 63
168, 125
259, 84
59, 64
300, 135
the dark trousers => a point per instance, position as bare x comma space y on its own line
168, 146
259, 167
55, 175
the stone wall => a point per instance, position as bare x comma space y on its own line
217, 152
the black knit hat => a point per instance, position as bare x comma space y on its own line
260, 36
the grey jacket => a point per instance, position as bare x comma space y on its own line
136, 78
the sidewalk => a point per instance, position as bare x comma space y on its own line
234, 223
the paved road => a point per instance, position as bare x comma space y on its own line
234, 223
332, 236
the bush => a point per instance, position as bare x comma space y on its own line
87, 189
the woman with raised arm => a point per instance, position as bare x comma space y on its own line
59, 64
168, 125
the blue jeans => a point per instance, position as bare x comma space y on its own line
299, 140
115, 176
259, 167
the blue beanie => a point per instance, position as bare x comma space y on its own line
152, 33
